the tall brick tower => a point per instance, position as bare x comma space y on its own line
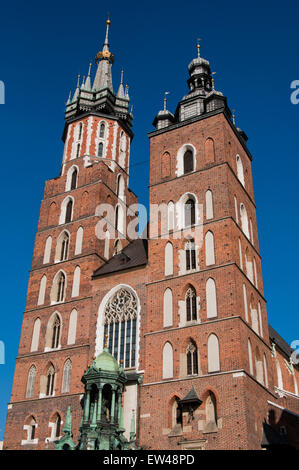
55, 344
206, 332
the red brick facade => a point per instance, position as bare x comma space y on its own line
242, 398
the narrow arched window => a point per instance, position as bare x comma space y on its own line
213, 354
190, 252
279, 375
50, 381
265, 371
71, 339
168, 270
31, 382
244, 220
47, 252
80, 131
117, 247
211, 413
78, 151
240, 171
57, 425
66, 379
259, 367
100, 149
167, 308
210, 248
188, 161
189, 212
167, 361
35, 335
209, 205
68, 212
191, 308
55, 332
42, 290
59, 287
250, 357
116, 223
74, 179
102, 131
64, 246
211, 298
31, 429
76, 282
192, 359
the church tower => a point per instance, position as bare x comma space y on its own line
207, 351
55, 346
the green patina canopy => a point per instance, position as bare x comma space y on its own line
105, 361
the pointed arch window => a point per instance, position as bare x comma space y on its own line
63, 246
100, 149
102, 132
50, 381
66, 379
60, 287
192, 359
57, 425
31, 382
120, 324
188, 162
74, 179
78, 151
31, 429
56, 332
191, 309
213, 354
68, 212
80, 131
190, 251
189, 212
117, 247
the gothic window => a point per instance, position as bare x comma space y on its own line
31, 429
260, 318
71, 339
213, 354
68, 212
35, 335
190, 252
100, 149
102, 131
42, 290
279, 375
189, 212
211, 298
211, 413
167, 308
58, 289
240, 171
74, 179
170, 216
120, 187
57, 426
265, 371
191, 310
245, 302
62, 247
79, 240
209, 205
168, 259
210, 248
50, 381
66, 379
250, 357
78, 151
120, 324
80, 131
244, 220
192, 359
188, 161
76, 282
259, 367
167, 372
47, 252
55, 332
31, 382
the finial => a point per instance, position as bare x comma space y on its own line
165, 99
69, 98
233, 116
213, 81
122, 76
106, 341
198, 47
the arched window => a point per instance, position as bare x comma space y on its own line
47, 252
62, 247
100, 149
68, 212
78, 151
31, 382
120, 324
255, 272
118, 219
192, 359
80, 131
102, 131
249, 265
74, 179
250, 357
66, 379
120, 187
57, 426
30, 427
191, 308
167, 310
55, 332
189, 212
211, 298
167, 361
107, 244
188, 161
210, 248
209, 205
176, 414
211, 413
35, 336
71, 339
213, 354
190, 252
42, 290
170, 216
244, 220
58, 288
79, 241
168, 259
240, 172
50, 381
76, 282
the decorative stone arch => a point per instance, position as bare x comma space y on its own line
180, 209
50, 332
69, 184
180, 158
62, 246
64, 210
101, 319
56, 286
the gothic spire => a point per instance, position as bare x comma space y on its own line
121, 91
87, 82
104, 58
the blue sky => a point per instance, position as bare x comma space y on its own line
252, 46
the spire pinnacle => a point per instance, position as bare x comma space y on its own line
121, 91
213, 80
87, 83
198, 47
76, 94
165, 99
233, 117
104, 59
